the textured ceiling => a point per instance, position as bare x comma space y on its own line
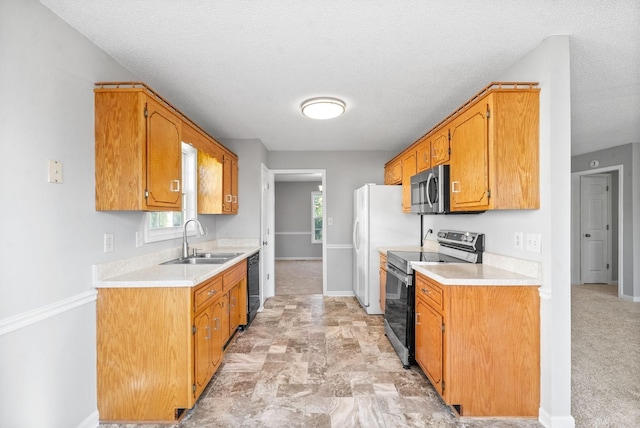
240, 69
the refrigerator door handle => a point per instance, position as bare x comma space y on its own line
355, 234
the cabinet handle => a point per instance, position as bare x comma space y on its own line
425, 291
211, 292
175, 186
417, 318
217, 325
228, 198
235, 199
453, 187
208, 333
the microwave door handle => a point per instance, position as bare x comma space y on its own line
431, 176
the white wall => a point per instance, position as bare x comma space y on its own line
246, 224
51, 234
292, 239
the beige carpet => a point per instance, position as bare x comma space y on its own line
605, 357
298, 277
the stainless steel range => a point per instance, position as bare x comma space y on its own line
399, 312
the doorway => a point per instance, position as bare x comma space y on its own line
272, 237
597, 211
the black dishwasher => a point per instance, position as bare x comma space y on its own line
253, 287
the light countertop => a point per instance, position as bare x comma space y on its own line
158, 275
472, 274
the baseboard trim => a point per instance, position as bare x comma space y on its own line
299, 258
24, 319
91, 421
549, 421
340, 294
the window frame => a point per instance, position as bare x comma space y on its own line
314, 194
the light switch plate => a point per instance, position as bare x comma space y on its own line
108, 242
518, 240
55, 172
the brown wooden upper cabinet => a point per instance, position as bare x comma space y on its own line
230, 185
432, 150
217, 174
491, 144
408, 170
138, 154
495, 153
393, 172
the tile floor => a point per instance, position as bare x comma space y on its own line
313, 361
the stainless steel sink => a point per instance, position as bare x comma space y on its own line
203, 259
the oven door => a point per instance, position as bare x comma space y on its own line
398, 311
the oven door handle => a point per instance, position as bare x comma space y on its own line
405, 279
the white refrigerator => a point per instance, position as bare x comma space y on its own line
378, 222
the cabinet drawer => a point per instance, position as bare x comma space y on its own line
205, 292
234, 274
431, 293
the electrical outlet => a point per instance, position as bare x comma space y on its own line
533, 242
518, 239
55, 172
108, 242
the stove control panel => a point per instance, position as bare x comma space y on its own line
470, 241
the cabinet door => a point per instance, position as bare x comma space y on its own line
234, 308
440, 147
230, 185
219, 312
164, 158
223, 307
234, 186
210, 188
469, 162
393, 172
430, 342
203, 343
408, 171
423, 155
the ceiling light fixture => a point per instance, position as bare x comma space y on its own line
323, 108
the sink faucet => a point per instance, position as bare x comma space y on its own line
185, 244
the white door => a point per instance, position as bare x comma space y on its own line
594, 228
267, 288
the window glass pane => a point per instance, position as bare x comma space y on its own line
316, 217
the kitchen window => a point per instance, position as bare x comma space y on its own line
316, 217
164, 225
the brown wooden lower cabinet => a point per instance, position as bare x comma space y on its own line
480, 346
383, 280
158, 347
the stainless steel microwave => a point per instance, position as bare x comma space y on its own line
430, 191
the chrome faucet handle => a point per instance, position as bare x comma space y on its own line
194, 252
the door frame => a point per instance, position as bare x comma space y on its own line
575, 219
269, 204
